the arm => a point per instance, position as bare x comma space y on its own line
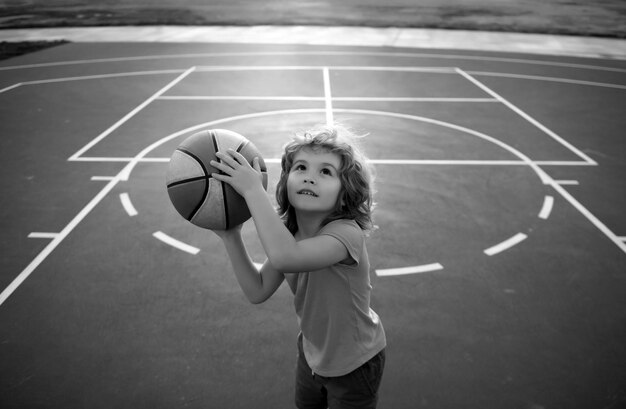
257, 286
285, 253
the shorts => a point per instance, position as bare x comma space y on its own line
357, 389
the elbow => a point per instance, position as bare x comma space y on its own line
256, 299
284, 265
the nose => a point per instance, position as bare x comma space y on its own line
309, 180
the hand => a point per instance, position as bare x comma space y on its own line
237, 172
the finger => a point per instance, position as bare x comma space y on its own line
256, 164
221, 177
238, 157
227, 159
221, 166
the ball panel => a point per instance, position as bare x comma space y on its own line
249, 151
206, 202
226, 139
187, 196
237, 210
183, 166
212, 212
202, 146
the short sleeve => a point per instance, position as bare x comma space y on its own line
349, 234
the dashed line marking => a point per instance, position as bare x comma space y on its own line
42, 235
128, 206
506, 244
567, 182
102, 178
409, 270
176, 243
546, 209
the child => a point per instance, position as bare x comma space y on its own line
325, 202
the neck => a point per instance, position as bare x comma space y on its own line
309, 223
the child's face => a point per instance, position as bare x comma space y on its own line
313, 183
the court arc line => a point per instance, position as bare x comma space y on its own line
128, 205
426, 268
545, 179
318, 53
125, 173
19, 84
176, 243
546, 208
506, 244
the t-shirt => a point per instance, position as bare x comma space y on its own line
340, 330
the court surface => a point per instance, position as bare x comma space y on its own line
499, 265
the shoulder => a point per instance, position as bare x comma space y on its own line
349, 234
345, 226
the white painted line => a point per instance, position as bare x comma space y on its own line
102, 178
374, 161
328, 98
567, 182
593, 219
506, 244
56, 241
117, 159
622, 238
130, 114
415, 99
551, 79
42, 235
102, 76
301, 98
409, 270
546, 209
179, 57
527, 117
208, 68
237, 98
447, 162
544, 177
176, 243
10, 88
128, 206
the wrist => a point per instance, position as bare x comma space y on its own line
254, 194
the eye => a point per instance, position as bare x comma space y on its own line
327, 172
299, 167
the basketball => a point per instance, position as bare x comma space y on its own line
200, 198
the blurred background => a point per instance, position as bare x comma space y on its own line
605, 18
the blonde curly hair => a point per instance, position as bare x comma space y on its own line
355, 201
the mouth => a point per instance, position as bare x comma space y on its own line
307, 192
